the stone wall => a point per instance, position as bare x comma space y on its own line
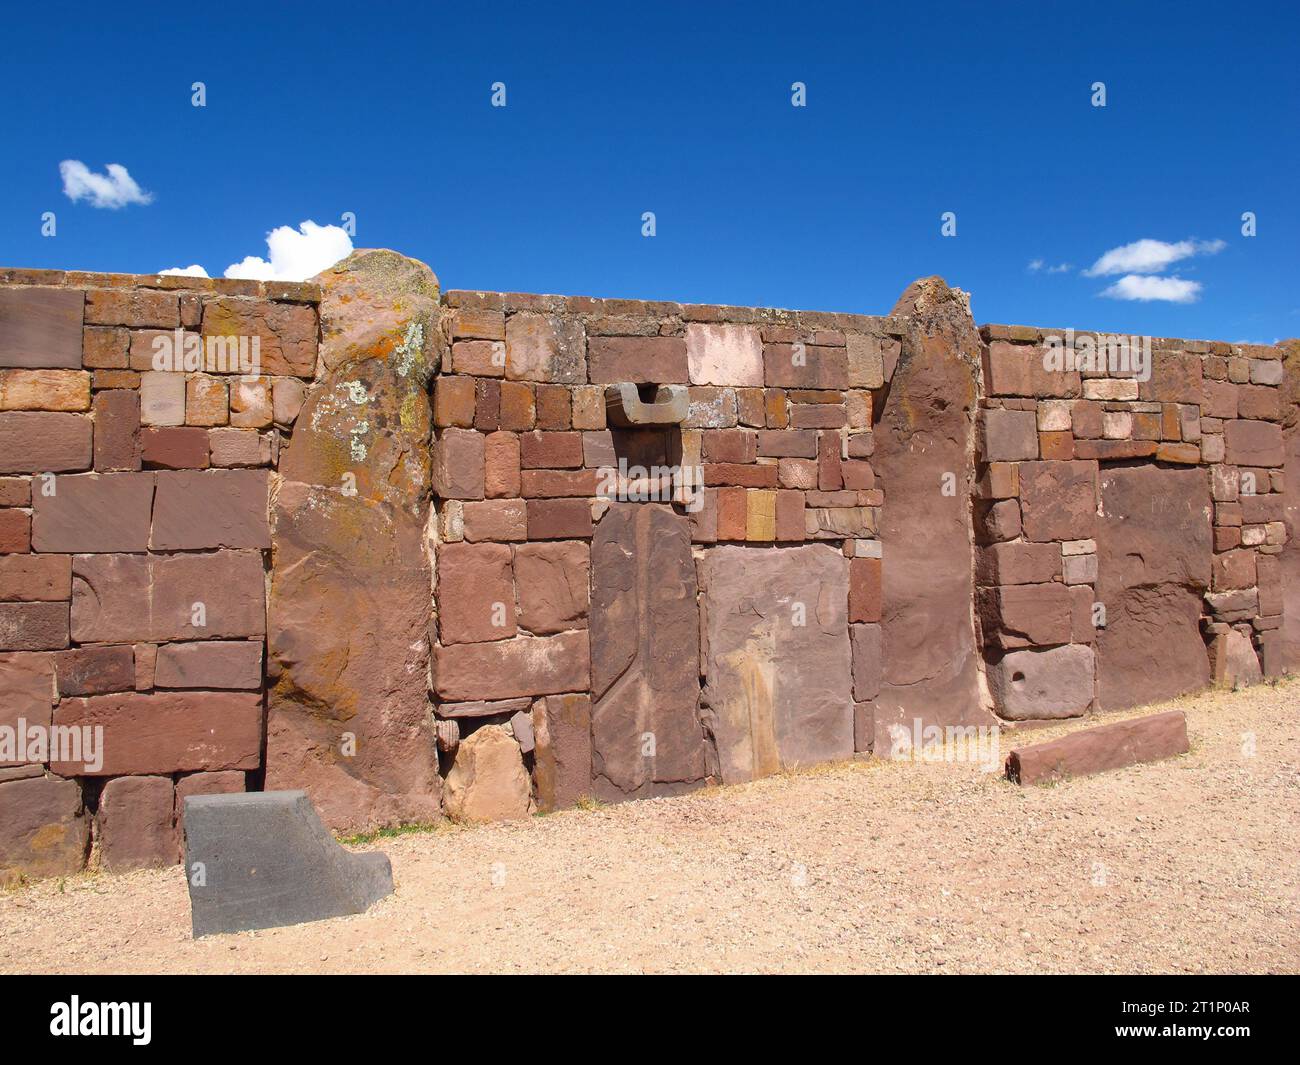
134, 547
427, 563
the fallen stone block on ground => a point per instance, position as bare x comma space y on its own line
1094, 750
265, 859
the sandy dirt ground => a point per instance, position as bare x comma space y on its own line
1187, 865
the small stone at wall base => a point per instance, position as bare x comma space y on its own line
1094, 750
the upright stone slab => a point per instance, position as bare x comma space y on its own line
778, 669
924, 450
348, 650
1290, 557
264, 859
646, 736
1154, 544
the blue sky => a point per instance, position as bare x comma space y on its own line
981, 109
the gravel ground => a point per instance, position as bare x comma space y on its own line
1188, 865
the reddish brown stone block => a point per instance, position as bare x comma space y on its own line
864, 589
95, 670
1187, 454
730, 445
117, 430
175, 448
40, 327
1057, 446
1095, 750
1058, 500
789, 443
778, 416
476, 593
1253, 443
801, 365
28, 626
227, 585
1026, 615
501, 456
858, 476
797, 473
15, 491
167, 732
44, 831
201, 509
554, 407
453, 402
35, 578
15, 532
830, 473
641, 360
459, 464
210, 664
286, 332
562, 755
550, 450
1018, 370
133, 307
1008, 435
518, 406
501, 520
542, 347
1018, 563
480, 358
1111, 450
1085, 420
504, 669
94, 513
733, 513
553, 582
559, 519
104, 348
739, 474
487, 405
549, 484
789, 515
1233, 569
39, 442
1176, 377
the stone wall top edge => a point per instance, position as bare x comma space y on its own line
1032, 334
283, 291
515, 302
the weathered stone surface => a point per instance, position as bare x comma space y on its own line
645, 655
203, 509
867, 662
506, 669
641, 360
35, 578
117, 430
460, 465
476, 593
227, 585
1251, 443
1233, 662
165, 732
33, 626
175, 447
56, 390
269, 861
135, 824
212, 664
1018, 370
286, 332
1154, 550
541, 347
1018, 563
1008, 435
94, 513
488, 781
1035, 684
1025, 615
778, 664
1058, 500
41, 327
562, 750
925, 432
552, 580
27, 693
1289, 642
39, 442
1094, 750
349, 605
724, 354
44, 830
95, 670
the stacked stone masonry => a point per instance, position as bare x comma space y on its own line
456, 586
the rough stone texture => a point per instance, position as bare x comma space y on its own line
166, 732
212, 664
553, 582
41, 442
135, 824
1051, 683
926, 430
1233, 662
44, 830
644, 655
1153, 550
1025, 615
1289, 643
94, 513
476, 594
268, 861
202, 510
778, 668
1058, 500
1094, 750
724, 354
508, 669
562, 750
286, 332
27, 690
350, 581
488, 781
41, 327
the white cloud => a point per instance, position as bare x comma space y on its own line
295, 255
1148, 256
1147, 288
185, 271
1037, 266
114, 188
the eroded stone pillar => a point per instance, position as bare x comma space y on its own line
348, 651
925, 459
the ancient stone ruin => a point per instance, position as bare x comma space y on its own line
468, 554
